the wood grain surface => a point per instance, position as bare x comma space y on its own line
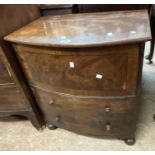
83, 30
50, 69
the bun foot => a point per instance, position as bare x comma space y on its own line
51, 126
130, 141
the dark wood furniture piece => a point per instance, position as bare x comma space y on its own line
152, 23
85, 70
57, 9
85, 8
88, 8
15, 96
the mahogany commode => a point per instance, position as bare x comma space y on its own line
85, 70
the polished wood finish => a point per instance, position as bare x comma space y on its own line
91, 86
15, 96
89, 115
88, 63
105, 29
74, 99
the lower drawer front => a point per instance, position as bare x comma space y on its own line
96, 117
11, 99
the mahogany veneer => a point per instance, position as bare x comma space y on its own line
85, 70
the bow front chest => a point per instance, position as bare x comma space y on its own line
85, 70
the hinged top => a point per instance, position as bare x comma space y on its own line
84, 30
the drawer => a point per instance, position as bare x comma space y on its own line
90, 71
11, 99
87, 115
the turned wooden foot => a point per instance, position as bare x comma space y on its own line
130, 141
154, 117
51, 126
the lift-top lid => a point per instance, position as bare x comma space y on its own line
84, 30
